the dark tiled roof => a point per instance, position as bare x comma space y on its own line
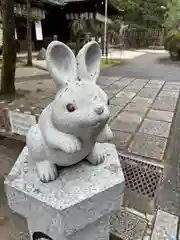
62, 2
111, 3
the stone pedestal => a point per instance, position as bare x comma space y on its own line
76, 206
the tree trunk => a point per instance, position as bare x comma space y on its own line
29, 34
77, 45
9, 50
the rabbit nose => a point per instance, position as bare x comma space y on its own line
99, 110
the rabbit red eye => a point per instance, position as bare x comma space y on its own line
70, 107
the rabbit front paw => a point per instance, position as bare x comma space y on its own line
47, 171
72, 145
97, 156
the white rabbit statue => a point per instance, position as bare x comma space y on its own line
72, 127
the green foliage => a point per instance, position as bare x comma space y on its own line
141, 12
177, 37
95, 27
71, 45
81, 27
35, 18
172, 17
114, 30
77, 28
173, 13
167, 41
111, 62
133, 26
172, 44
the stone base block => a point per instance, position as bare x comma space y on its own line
76, 206
98, 230
165, 226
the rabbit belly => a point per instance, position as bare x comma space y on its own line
64, 159
39, 150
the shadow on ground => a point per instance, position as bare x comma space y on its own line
168, 61
12, 226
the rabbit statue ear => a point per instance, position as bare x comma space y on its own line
88, 60
61, 63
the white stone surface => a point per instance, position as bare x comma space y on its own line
76, 204
74, 125
123, 54
98, 230
165, 227
152, 51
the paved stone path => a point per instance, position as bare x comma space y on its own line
145, 124
165, 226
147, 66
141, 113
145, 119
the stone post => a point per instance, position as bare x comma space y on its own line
76, 206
